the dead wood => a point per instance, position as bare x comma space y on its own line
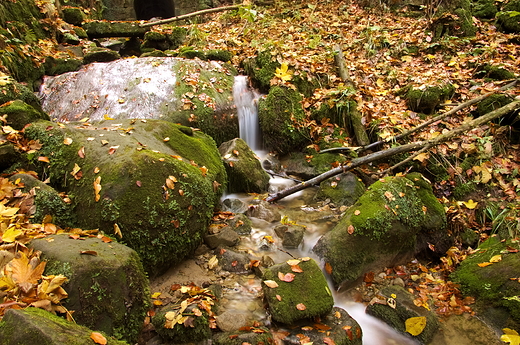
189, 15
398, 149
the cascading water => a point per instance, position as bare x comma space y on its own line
246, 103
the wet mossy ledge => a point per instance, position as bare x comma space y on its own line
157, 182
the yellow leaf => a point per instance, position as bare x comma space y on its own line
67, 141
271, 283
470, 204
415, 325
7, 211
496, 258
117, 230
511, 336
484, 264
421, 157
283, 72
11, 234
106, 117
156, 295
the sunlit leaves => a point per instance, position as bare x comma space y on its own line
283, 72
271, 283
510, 336
98, 338
97, 188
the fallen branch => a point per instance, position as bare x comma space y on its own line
396, 150
189, 15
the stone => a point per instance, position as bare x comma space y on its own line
100, 55
245, 173
70, 38
234, 205
241, 224
263, 210
404, 309
108, 289
55, 66
19, 114
233, 261
341, 190
73, 15
225, 237
465, 330
198, 329
302, 295
37, 326
160, 193
336, 327
230, 321
507, 22
388, 224
425, 101
291, 235
8, 155
47, 202
256, 336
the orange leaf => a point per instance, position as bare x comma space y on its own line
350, 229
81, 152
98, 338
43, 159
296, 268
278, 297
328, 341
23, 273
328, 268
289, 277
357, 212
484, 264
89, 252
301, 306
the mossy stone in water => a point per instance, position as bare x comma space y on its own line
37, 326
305, 296
261, 69
108, 289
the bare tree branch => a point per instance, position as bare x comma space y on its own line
189, 15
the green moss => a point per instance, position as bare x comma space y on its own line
190, 53
484, 9
463, 188
261, 69
180, 333
493, 102
493, 72
219, 55
177, 36
241, 337
425, 101
309, 288
281, 120
19, 114
55, 66
508, 19
16, 91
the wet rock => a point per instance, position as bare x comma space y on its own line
224, 237
20, 114
299, 165
341, 190
245, 173
404, 309
291, 235
47, 201
465, 330
230, 321
55, 66
385, 227
232, 261
108, 291
336, 327
37, 326
8, 155
299, 295
163, 218
234, 205
100, 55
254, 336
241, 224
263, 210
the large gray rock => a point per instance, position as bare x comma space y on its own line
301, 293
341, 190
245, 173
108, 289
37, 326
383, 228
158, 184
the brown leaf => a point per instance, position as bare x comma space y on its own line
350, 229
289, 277
328, 341
89, 252
328, 268
279, 298
98, 338
43, 159
296, 268
81, 152
301, 306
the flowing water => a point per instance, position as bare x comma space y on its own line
246, 103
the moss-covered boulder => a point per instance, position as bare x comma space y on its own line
344, 189
108, 289
261, 69
37, 326
484, 9
493, 72
99, 29
425, 100
19, 114
397, 307
296, 290
495, 286
9, 155
508, 19
73, 15
245, 173
47, 201
55, 66
218, 55
281, 120
494, 102
195, 330
12, 90
336, 327
253, 336
158, 183
155, 40
98, 54
454, 18
309, 164
382, 228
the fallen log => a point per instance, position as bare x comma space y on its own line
396, 150
189, 15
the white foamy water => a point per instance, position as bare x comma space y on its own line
246, 103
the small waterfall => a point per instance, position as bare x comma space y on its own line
246, 103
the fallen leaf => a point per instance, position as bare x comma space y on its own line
44, 159
328, 268
271, 283
296, 268
510, 336
138, 183
117, 230
415, 325
293, 262
67, 141
98, 338
289, 277
357, 212
301, 306
112, 149
496, 258
350, 229
328, 341
470, 204
279, 298
81, 152
484, 264
89, 252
